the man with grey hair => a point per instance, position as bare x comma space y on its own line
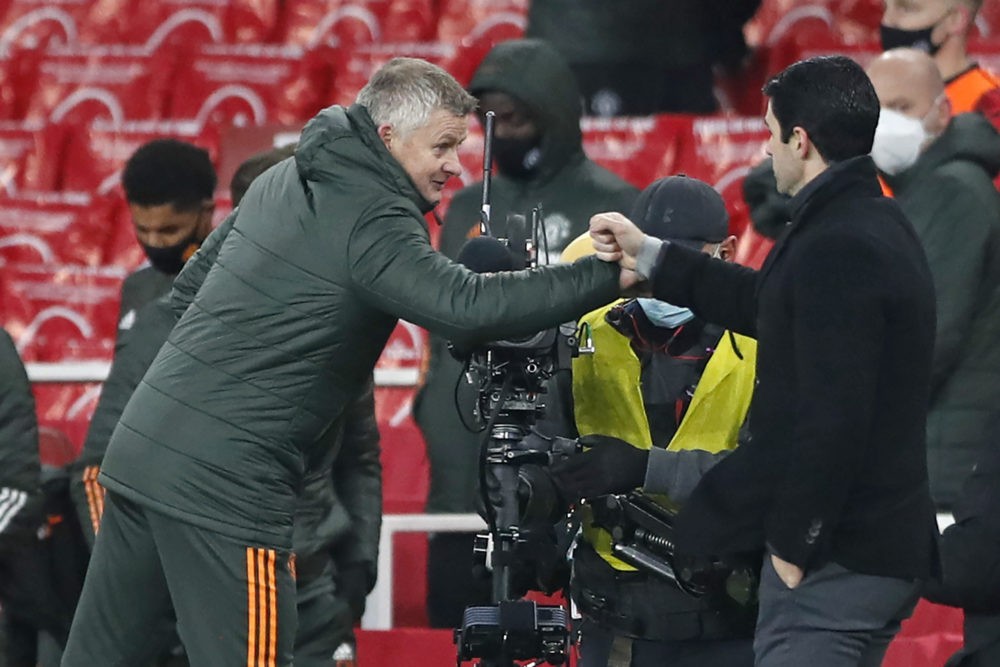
326, 252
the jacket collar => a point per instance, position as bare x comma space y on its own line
854, 177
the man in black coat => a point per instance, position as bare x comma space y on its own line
833, 480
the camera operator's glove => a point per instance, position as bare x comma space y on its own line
609, 466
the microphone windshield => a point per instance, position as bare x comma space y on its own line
485, 254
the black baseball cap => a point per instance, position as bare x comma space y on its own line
682, 210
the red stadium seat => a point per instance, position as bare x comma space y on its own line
104, 147
474, 21
348, 23
478, 25
117, 83
66, 409
720, 151
404, 461
353, 69
30, 152
639, 149
55, 228
159, 24
55, 450
250, 84
31, 24
61, 312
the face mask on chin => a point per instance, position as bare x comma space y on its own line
663, 314
171, 259
517, 158
895, 38
898, 140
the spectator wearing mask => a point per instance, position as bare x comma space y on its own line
539, 159
338, 518
169, 187
940, 168
941, 29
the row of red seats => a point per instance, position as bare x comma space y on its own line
308, 23
213, 84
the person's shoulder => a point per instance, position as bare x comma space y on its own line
605, 179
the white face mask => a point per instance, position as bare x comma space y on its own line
898, 140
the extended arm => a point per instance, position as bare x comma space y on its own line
397, 270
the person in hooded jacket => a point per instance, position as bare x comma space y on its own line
941, 169
539, 159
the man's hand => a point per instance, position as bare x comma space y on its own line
790, 574
616, 238
609, 466
632, 285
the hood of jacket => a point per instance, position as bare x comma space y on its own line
343, 145
534, 72
969, 137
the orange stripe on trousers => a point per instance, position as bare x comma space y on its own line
261, 604
251, 610
272, 609
89, 475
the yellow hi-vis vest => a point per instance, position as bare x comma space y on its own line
607, 397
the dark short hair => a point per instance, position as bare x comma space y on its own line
169, 171
832, 99
253, 167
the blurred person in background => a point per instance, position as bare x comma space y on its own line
169, 187
970, 561
940, 169
941, 28
640, 57
30, 602
539, 159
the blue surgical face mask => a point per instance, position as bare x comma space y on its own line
665, 315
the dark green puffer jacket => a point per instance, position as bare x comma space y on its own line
20, 495
950, 198
340, 507
326, 252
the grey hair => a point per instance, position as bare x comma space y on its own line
405, 91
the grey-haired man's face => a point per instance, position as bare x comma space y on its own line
429, 153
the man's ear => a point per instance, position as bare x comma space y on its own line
727, 249
386, 134
800, 143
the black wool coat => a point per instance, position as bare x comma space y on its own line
843, 310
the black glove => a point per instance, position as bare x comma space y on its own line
609, 466
352, 586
